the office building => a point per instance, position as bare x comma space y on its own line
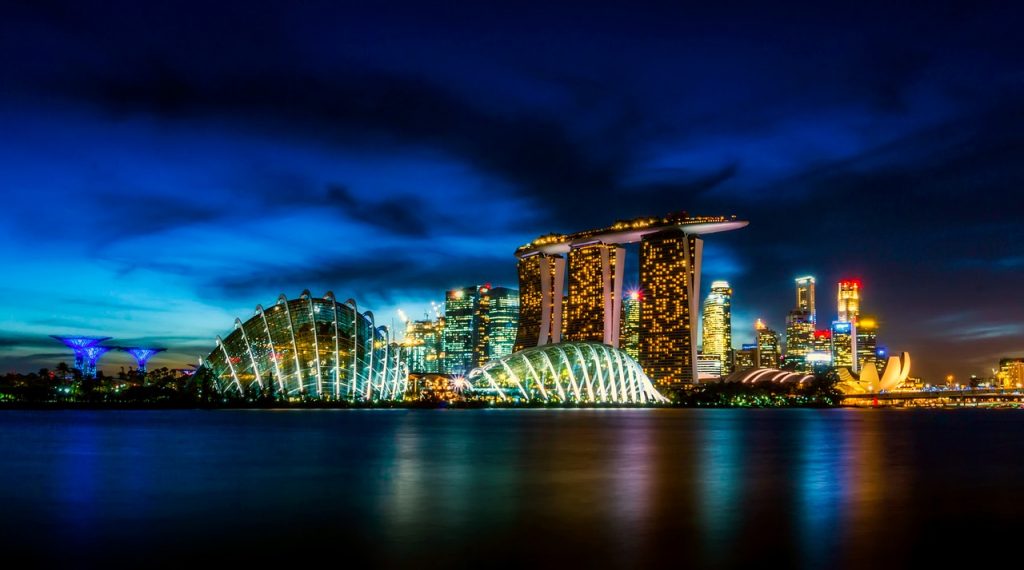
717, 324
849, 300
767, 346
844, 345
805, 297
629, 337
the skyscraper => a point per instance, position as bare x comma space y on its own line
541, 281
844, 344
767, 345
669, 278
423, 346
805, 297
799, 340
503, 322
867, 342
849, 300
629, 338
594, 303
717, 324
462, 330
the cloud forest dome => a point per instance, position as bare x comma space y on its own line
584, 372
312, 347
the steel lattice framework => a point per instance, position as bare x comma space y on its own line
312, 347
582, 372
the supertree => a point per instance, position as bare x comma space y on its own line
79, 344
142, 355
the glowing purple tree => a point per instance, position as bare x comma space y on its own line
91, 354
142, 355
79, 344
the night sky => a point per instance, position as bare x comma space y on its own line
167, 166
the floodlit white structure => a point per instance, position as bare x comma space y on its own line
755, 375
583, 372
896, 372
310, 347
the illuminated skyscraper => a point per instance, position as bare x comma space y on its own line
849, 300
594, 303
670, 280
464, 333
805, 297
423, 346
717, 324
844, 344
541, 281
867, 342
503, 322
799, 340
629, 338
767, 345
746, 357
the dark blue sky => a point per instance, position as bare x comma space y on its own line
167, 166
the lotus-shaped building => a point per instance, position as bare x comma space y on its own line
896, 372
581, 372
309, 347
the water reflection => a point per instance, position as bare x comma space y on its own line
630, 488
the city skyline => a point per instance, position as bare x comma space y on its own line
164, 176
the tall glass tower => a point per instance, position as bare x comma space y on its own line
849, 300
503, 322
717, 324
629, 337
805, 297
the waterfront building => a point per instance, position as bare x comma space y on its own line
716, 324
849, 300
424, 346
309, 348
503, 322
541, 282
799, 340
867, 342
1011, 372
805, 297
595, 296
767, 345
709, 367
844, 345
467, 330
746, 357
581, 372
629, 338
670, 256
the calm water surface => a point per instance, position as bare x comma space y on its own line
636, 488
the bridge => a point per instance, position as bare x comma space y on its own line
964, 397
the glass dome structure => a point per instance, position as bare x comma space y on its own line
581, 372
310, 347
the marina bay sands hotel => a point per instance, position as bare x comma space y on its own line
670, 260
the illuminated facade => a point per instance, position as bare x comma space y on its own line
423, 346
503, 322
309, 347
541, 283
849, 300
844, 345
465, 328
709, 367
669, 277
629, 338
142, 355
799, 340
805, 297
582, 372
867, 342
595, 294
670, 254
716, 324
823, 341
746, 358
768, 347
1011, 373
